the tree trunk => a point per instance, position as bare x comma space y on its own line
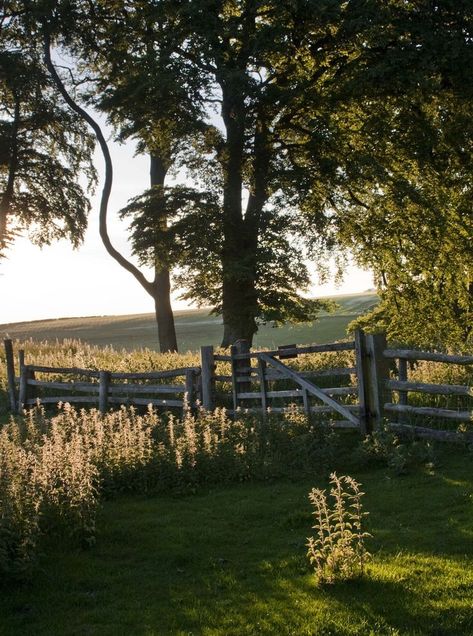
239, 297
164, 313
6, 199
162, 279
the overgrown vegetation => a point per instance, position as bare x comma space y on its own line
54, 470
384, 447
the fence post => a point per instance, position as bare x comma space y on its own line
362, 373
239, 366
10, 373
207, 365
104, 383
23, 392
403, 395
263, 386
377, 377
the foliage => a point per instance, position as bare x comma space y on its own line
54, 469
44, 147
338, 552
253, 63
400, 455
406, 214
47, 484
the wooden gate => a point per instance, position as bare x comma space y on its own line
253, 383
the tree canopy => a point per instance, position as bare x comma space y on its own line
44, 148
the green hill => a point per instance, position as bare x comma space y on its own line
195, 327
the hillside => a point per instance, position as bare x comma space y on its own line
194, 327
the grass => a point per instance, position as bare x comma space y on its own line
230, 560
194, 328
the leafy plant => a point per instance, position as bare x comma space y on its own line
384, 446
338, 551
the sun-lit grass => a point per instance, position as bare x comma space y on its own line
231, 560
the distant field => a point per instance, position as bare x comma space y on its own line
194, 328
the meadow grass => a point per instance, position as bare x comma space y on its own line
194, 328
231, 560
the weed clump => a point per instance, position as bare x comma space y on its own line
338, 551
384, 447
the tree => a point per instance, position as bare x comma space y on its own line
408, 162
44, 149
242, 56
148, 95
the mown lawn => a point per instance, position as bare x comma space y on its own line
231, 560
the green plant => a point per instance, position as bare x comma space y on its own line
338, 551
385, 447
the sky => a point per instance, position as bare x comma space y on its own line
58, 281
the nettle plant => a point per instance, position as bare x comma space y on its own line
338, 551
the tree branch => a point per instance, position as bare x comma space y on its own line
107, 187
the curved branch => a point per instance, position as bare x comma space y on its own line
107, 187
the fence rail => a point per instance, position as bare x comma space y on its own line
403, 387
109, 388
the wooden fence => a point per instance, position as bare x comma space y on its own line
403, 387
99, 388
375, 388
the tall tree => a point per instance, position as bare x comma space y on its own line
44, 148
243, 55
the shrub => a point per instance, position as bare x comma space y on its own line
338, 551
385, 447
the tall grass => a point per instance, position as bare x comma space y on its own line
54, 470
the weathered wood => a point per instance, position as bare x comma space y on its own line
287, 351
448, 414
271, 375
239, 352
10, 362
263, 386
222, 378
402, 378
430, 433
207, 364
147, 388
67, 386
23, 391
421, 387
188, 401
322, 348
377, 373
411, 354
153, 375
82, 399
305, 401
68, 370
311, 388
218, 357
362, 372
104, 383
146, 401
297, 393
